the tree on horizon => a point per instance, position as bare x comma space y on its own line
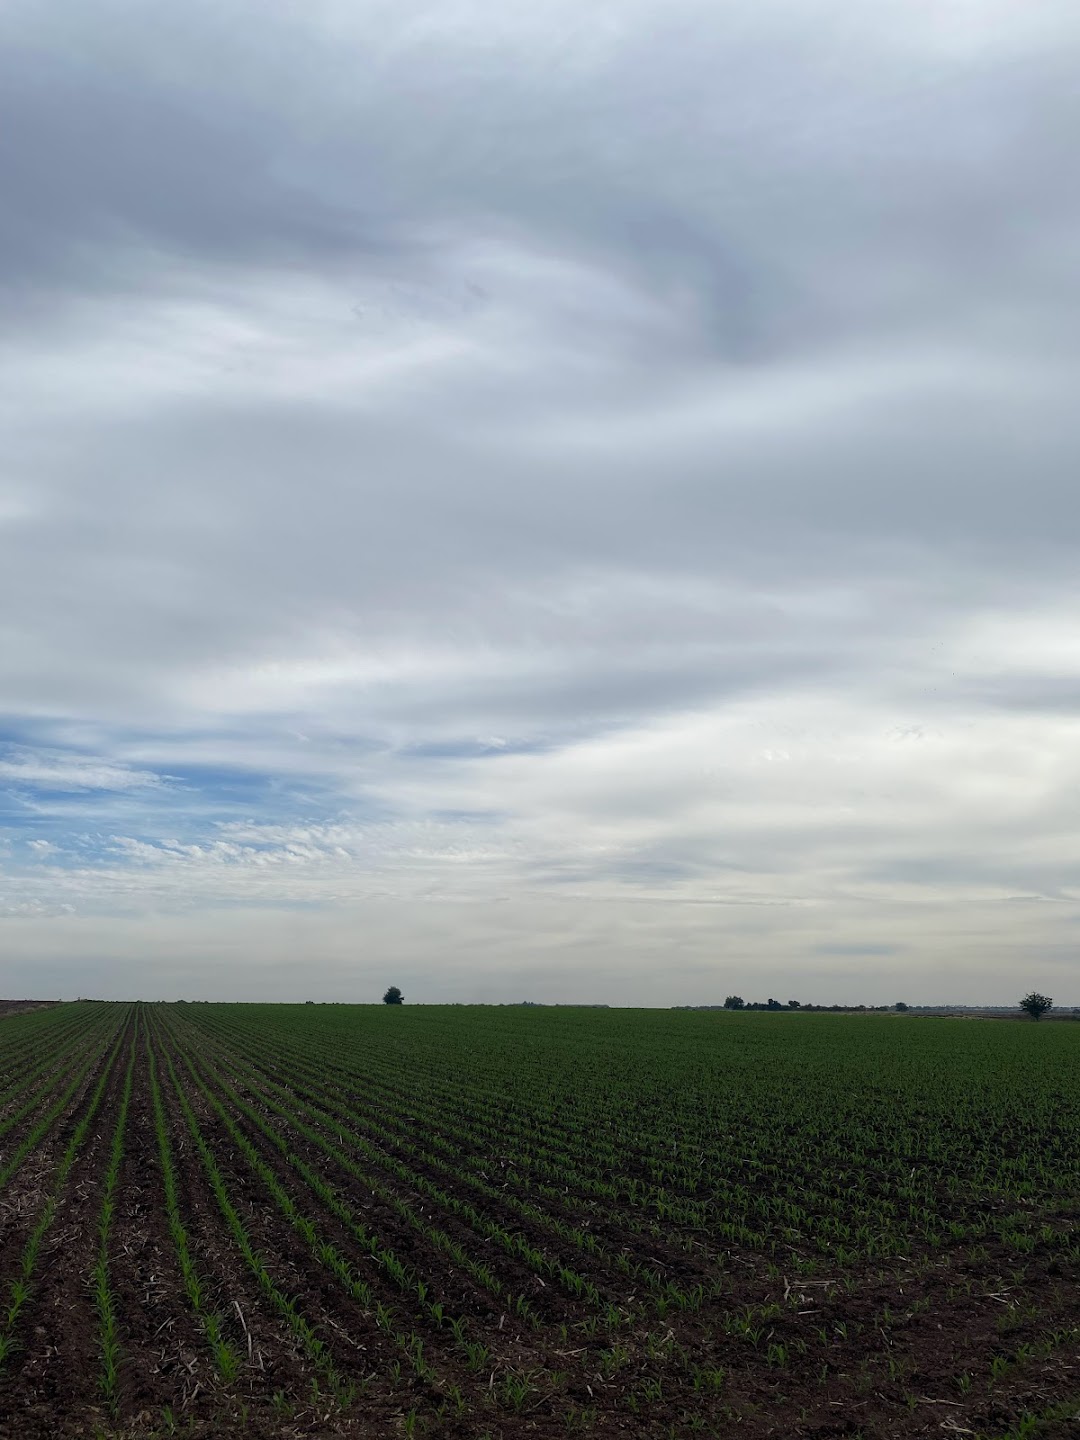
1036, 1005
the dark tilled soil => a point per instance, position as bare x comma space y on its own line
904, 1349
551, 1303
271, 1361
454, 1286
166, 1359
54, 1371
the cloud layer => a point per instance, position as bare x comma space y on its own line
567, 505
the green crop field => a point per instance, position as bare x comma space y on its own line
476, 1221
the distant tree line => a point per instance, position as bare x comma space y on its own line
736, 1002
1032, 1004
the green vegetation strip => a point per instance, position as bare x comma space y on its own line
43, 1051
313, 1346
21, 1288
45, 1124
52, 1055
400, 1274
225, 1357
103, 1297
295, 1110
927, 1141
463, 1148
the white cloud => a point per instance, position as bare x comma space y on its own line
65, 772
589, 494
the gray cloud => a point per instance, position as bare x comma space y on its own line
616, 432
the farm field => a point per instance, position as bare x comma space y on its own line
375, 1221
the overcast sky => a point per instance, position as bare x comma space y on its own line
543, 501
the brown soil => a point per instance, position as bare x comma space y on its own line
54, 1370
888, 1351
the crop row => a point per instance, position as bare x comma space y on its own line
571, 1222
